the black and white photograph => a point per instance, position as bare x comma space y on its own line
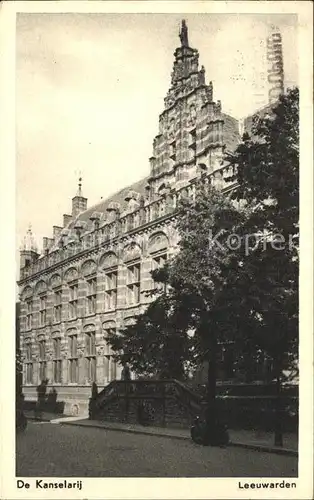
158, 311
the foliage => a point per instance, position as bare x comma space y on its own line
267, 174
156, 345
229, 281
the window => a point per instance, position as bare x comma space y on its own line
28, 364
161, 208
90, 357
158, 262
57, 362
91, 296
172, 152
110, 365
29, 314
73, 359
42, 310
42, 360
57, 306
111, 290
133, 284
192, 143
73, 301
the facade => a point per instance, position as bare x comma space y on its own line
92, 275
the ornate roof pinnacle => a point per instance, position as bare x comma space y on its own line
79, 192
29, 243
183, 34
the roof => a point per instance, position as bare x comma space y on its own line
101, 208
119, 197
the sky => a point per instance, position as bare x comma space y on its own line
90, 88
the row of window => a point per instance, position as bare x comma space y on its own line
133, 297
73, 375
133, 290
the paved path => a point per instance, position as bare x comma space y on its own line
245, 438
55, 450
249, 439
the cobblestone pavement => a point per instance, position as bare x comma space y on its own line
54, 450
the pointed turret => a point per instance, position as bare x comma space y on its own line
29, 251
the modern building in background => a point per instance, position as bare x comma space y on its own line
92, 276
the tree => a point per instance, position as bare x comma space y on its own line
229, 281
266, 169
205, 226
157, 344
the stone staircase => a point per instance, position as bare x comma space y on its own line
171, 403
166, 403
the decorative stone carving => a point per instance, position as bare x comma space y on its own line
27, 293
41, 287
55, 281
88, 268
80, 351
71, 331
132, 252
89, 328
171, 129
129, 321
71, 274
158, 242
108, 260
100, 350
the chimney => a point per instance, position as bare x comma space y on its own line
66, 219
45, 244
56, 231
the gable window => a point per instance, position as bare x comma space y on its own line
73, 359
133, 284
42, 310
91, 296
57, 309
90, 357
73, 299
111, 290
57, 362
42, 360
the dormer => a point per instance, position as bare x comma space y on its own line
113, 210
95, 219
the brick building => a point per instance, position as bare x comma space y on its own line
91, 276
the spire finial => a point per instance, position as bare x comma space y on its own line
183, 35
29, 241
79, 192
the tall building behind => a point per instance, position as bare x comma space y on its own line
275, 69
92, 275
